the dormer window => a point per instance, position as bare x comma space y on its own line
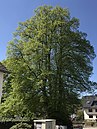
90, 110
94, 103
88, 102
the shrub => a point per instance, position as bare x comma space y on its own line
21, 126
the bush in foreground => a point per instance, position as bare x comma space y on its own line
21, 126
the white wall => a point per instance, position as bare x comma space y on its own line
45, 124
86, 116
1, 82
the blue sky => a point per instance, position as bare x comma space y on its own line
14, 11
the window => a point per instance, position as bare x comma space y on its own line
90, 110
90, 116
94, 103
96, 116
95, 110
88, 102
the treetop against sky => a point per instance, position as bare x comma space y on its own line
13, 12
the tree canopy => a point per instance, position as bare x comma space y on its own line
50, 62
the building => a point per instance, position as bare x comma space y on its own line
90, 108
2, 71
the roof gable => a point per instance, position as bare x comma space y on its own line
90, 101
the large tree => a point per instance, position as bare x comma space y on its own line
50, 62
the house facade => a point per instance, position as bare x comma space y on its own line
90, 108
2, 71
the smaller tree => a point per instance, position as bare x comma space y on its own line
80, 115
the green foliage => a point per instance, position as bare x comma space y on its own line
80, 115
21, 126
50, 62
